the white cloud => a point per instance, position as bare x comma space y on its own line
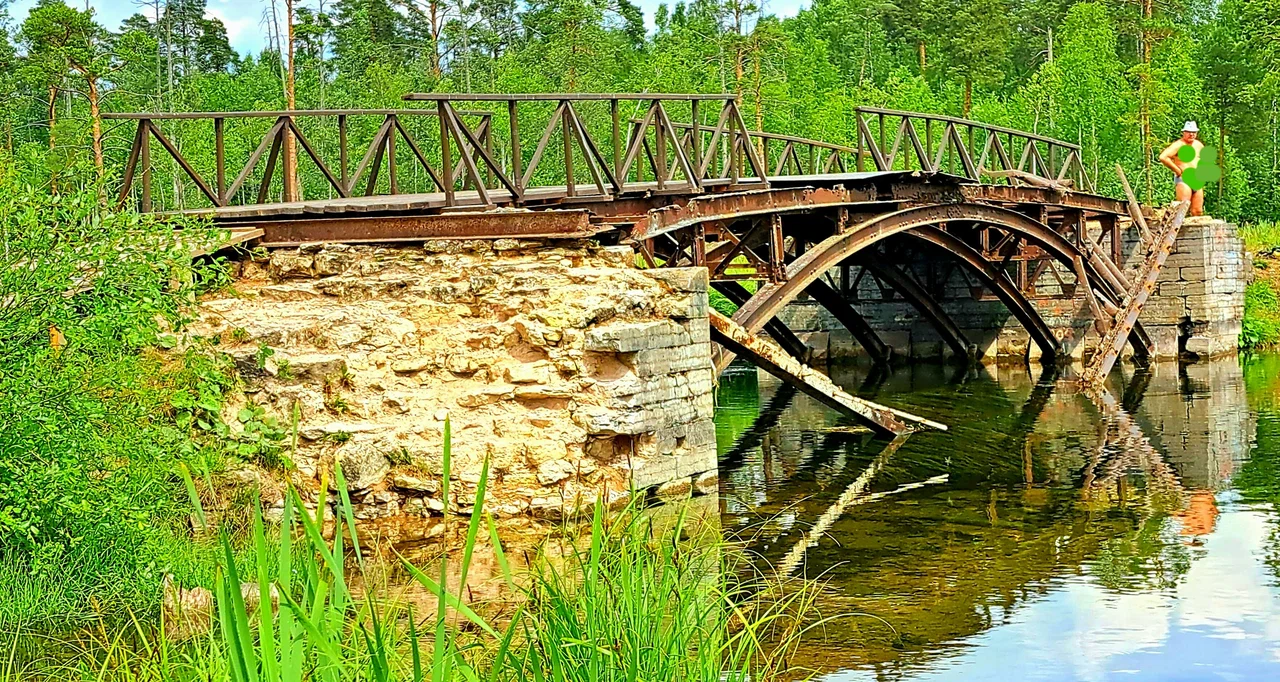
239, 25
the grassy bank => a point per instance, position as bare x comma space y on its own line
103, 419
1261, 325
629, 599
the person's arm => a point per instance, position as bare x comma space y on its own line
1169, 157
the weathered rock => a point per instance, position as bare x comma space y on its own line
555, 471
364, 463
411, 365
416, 484
674, 490
339, 429
538, 372
707, 483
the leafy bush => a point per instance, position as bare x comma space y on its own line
90, 407
1261, 324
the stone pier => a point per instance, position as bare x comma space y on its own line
1196, 310
576, 375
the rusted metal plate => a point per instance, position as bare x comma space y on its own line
460, 225
1042, 196
742, 204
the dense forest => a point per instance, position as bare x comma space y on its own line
1117, 77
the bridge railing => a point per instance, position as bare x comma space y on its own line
891, 139
198, 154
502, 149
487, 149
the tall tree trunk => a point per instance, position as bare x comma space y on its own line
437, 27
739, 68
968, 96
291, 188
159, 56
168, 47
53, 114
320, 58
756, 93
466, 45
95, 115
1144, 115
53, 127
920, 50
1222, 149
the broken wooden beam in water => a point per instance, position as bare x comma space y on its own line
769, 357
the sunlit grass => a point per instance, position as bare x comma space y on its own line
1261, 237
628, 598
1261, 323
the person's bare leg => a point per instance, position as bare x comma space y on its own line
1182, 191
1197, 202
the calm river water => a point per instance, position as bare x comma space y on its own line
1118, 536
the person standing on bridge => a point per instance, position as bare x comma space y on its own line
1184, 154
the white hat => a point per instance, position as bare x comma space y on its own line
1190, 127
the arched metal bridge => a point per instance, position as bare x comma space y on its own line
684, 179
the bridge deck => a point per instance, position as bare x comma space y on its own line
873, 187
556, 194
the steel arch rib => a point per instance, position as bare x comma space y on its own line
921, 301
999, 283
818, 259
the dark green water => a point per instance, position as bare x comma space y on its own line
1130, 536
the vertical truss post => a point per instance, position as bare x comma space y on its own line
661, 139
391, 156
446, 161
342, 150
220, 153
699, 247
286, 177
565, 126
617, 141
777, 249
144, 157
517, 156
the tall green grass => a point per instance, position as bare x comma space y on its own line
1261, 237
1261, 324
627, 599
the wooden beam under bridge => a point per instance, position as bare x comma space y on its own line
774, 360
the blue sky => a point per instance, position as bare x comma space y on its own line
243, 18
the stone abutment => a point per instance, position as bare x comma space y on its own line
576, 375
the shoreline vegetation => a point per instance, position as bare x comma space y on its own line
628, 597
1261, 324
106, 409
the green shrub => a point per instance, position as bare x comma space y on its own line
91, 410
1261, 325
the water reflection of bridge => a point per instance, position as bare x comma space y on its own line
1046, 483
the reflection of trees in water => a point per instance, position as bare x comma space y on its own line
1046, 482
1151, 556
1258, 479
